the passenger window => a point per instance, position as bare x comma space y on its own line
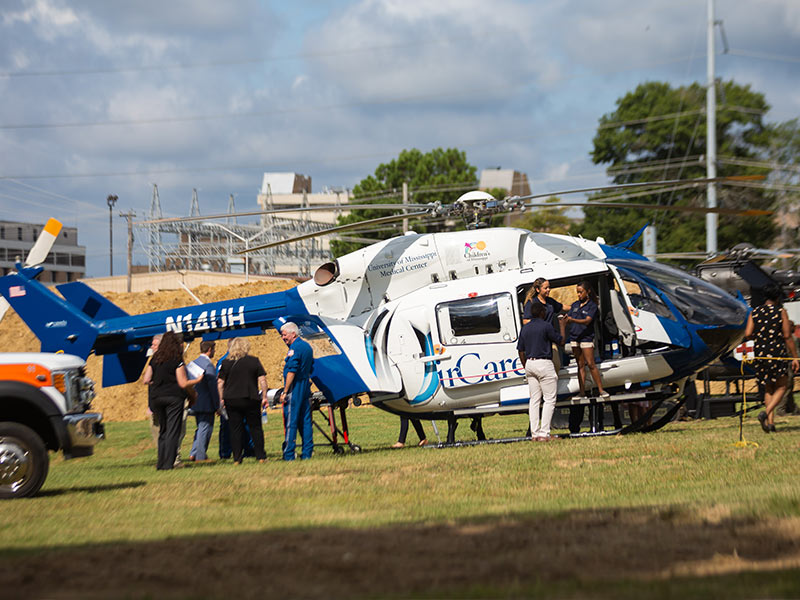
483, 319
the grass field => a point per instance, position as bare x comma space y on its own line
682, 512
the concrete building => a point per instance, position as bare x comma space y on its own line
514, 182
290, 190
65, 262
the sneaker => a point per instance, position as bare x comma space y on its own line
605, 395
580, 398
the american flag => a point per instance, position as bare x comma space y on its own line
15, 291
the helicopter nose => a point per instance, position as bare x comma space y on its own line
722, 339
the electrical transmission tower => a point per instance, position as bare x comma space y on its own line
213, 246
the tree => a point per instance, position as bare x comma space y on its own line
658, 132
438, 175
546, 220
783, 156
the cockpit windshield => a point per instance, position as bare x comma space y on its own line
698, 301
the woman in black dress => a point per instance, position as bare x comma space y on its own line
768, 326
243, 392
169, 387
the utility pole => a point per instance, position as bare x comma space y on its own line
405, 201
129, 216
111, 201
711, 136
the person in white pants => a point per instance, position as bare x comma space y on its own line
535, 346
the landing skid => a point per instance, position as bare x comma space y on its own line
639, 426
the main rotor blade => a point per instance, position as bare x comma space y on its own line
747, 212
277, 211
299, 238
624, 186
681, 255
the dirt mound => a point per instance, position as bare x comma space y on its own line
129, 402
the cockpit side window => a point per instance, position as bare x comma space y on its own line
643, 297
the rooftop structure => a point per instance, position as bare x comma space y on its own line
514, 182
65, 262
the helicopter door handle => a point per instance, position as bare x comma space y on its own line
427, 359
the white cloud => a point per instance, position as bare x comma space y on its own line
432, 49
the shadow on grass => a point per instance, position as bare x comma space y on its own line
92, 489
629, 553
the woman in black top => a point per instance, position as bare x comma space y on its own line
539, 293
243, 391
169, 387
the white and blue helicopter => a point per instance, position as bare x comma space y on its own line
426, 325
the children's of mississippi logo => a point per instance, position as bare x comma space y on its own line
473, 250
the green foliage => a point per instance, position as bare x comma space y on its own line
546, 220
784, 154
657, 133
431, 177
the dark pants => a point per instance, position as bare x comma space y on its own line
404, 429
225, 440
576, 417
169, 412
238, 413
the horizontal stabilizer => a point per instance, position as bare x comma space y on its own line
89, 301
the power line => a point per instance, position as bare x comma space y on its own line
765, 56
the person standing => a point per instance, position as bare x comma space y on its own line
768, 326
535, 346
539, 293
401, 439
169, 387
242, 383
581, 317
225, 451
207, 403
154, 426
297, 392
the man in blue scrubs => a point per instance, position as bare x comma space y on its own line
297, 392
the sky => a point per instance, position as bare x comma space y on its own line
107, 97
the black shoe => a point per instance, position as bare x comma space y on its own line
762, 418
772, 429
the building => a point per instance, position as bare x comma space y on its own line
65, 262
514, 182
285, 191
290, 190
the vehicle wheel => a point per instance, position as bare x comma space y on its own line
23, 461
338, 450
355, 448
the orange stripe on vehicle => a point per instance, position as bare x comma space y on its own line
53, 227
35, 375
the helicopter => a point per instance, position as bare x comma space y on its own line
426, 324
